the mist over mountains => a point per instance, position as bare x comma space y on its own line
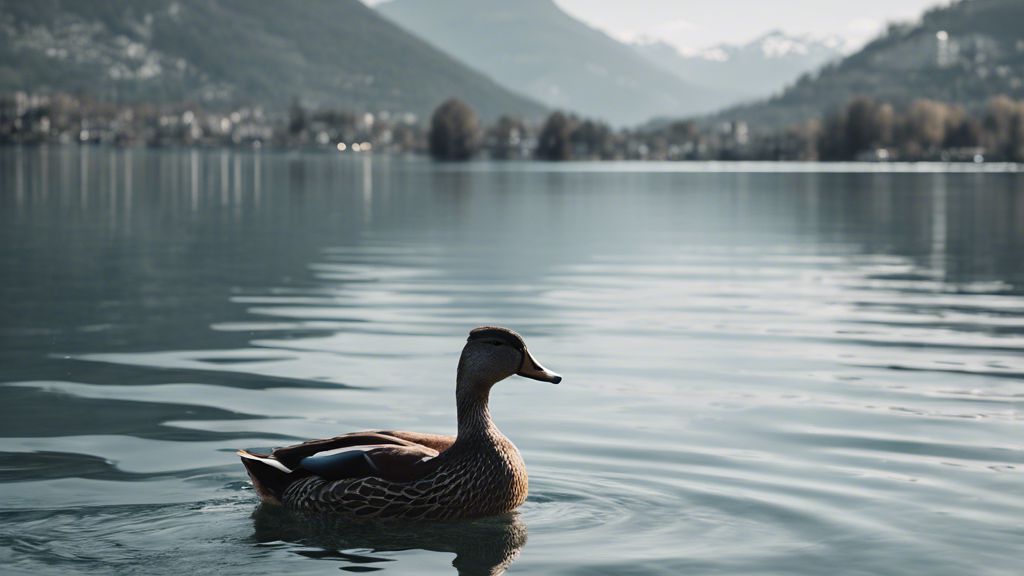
326, 52
755, 70
535, 48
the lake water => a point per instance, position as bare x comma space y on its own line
767, 369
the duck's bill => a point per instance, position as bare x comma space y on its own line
532, 369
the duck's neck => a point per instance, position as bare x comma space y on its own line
474, 414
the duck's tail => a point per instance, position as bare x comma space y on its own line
269, 476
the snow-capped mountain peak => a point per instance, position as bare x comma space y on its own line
715, 55
778, 45
758, 68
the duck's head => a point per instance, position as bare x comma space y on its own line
493, 353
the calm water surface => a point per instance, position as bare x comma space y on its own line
765, 373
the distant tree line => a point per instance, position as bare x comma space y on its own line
923, 131
864, 129
456, 134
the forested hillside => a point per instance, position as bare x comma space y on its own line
965, 53
327, 52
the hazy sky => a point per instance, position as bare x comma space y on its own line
694, 24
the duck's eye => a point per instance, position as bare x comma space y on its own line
496, 343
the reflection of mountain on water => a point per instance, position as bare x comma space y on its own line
481, 547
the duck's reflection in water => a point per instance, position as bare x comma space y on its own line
481, 547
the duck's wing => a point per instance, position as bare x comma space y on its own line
357, 455
393, 455
290, 456
437, 442
394, 463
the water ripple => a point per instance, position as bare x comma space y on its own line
764, 373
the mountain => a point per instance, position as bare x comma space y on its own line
963, 53
535, 48
756, 70
329, 52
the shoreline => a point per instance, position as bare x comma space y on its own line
593, 165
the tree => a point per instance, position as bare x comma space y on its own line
454, 131
832, 142
1015, 152
506, 137
861, 126
862, 129
999, 118
593, 139
296, 117
554, 141
926, 122
885, 122
800, 142
1003, 120
968, 133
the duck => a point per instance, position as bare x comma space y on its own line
392, 474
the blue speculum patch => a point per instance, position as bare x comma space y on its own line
335, 466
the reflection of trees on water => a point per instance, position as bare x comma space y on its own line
956, 228
961, 228
482, 547
986, 233
124, 233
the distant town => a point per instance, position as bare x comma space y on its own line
864, 130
